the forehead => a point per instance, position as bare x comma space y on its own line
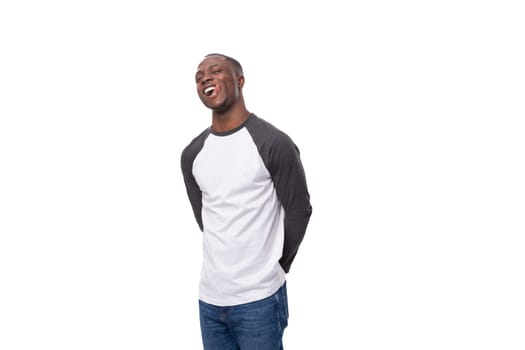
211, 61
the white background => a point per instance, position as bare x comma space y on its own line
409, 116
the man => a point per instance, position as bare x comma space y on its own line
247, 188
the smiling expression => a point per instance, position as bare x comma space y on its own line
218, 83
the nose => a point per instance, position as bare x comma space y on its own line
207, 77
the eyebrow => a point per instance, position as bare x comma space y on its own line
200, 71
211, 66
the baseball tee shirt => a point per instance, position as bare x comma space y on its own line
249, 196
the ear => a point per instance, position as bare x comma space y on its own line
240, 81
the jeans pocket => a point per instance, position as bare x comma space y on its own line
285, 302
281, 303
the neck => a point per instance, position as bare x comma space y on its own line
230, 119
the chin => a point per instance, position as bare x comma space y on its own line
220, 108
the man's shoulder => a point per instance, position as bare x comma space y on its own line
263, 129
257, 123
195, 145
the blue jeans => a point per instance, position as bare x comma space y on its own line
258, 325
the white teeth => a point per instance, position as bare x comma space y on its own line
209, 90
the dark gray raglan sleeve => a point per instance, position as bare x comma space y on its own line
192, 188
282, 159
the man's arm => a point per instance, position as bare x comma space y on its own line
192, 188
281, 157
194, 195
289, 180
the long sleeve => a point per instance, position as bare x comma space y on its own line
282, 158
192, 188
194, 194
290, 183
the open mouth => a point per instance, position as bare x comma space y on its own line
209, 90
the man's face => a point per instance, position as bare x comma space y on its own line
218, 85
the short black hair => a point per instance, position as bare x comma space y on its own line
232, 60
